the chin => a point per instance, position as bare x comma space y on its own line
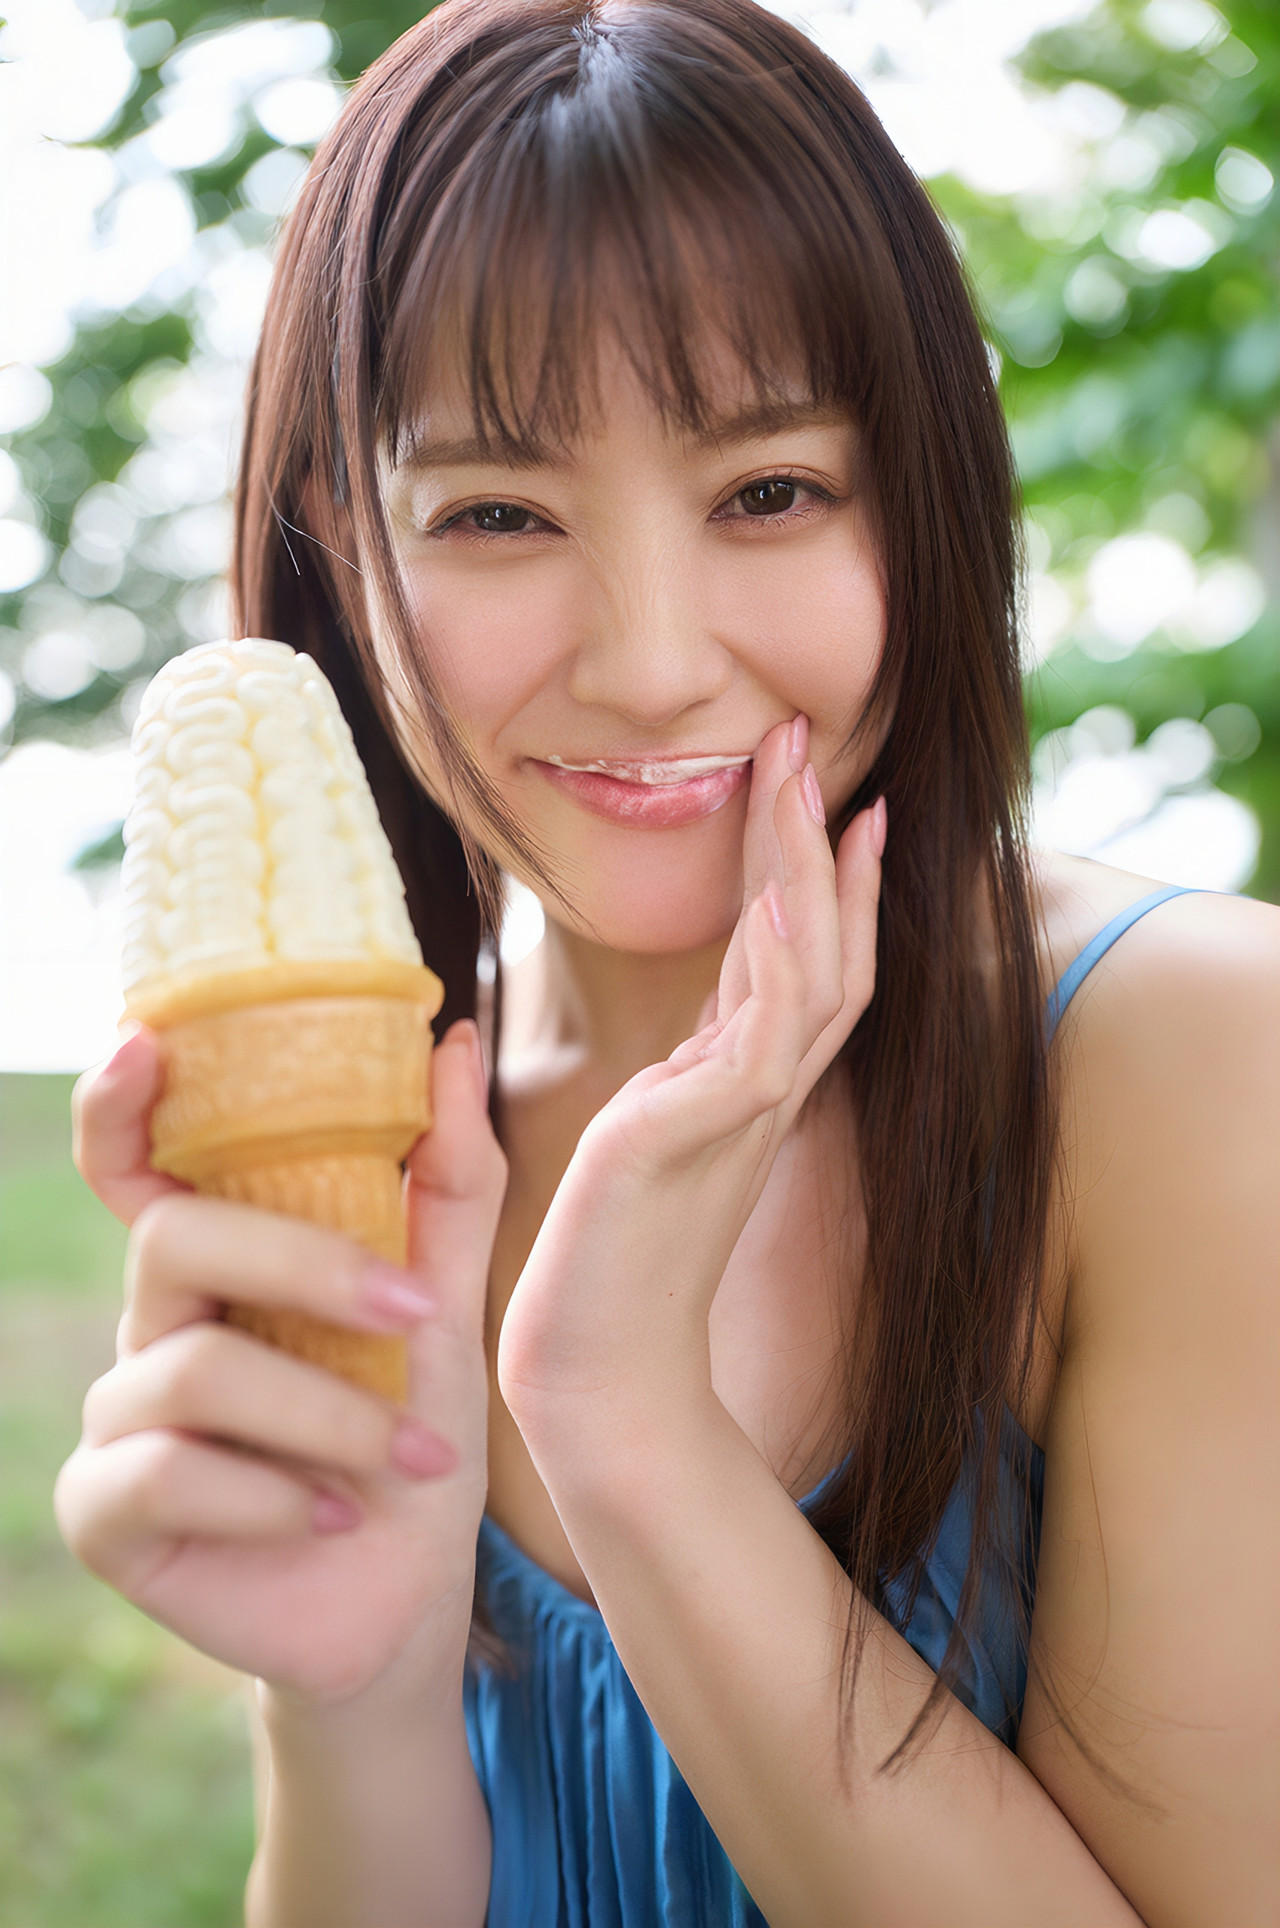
650, 919
648, 893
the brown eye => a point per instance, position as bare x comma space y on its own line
774, 497
501, 518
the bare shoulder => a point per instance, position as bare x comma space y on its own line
1169, 1053
1201, 937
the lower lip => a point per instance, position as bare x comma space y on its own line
648, 806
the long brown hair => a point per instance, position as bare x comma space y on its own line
510, 177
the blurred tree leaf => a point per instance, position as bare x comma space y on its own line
102, 853
1140, 392
126, 540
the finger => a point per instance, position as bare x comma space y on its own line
214, 1380
189, 1257
124, 1509
858, 876
457, 1181
808, 882
748, 1067
781, 753
111, 1128
858, 881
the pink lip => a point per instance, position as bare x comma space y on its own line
647, 806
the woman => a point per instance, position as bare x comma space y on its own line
623, 445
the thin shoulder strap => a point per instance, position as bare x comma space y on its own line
1078, 970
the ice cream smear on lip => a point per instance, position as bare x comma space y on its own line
253, 838
659, 774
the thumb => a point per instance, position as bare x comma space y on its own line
111, 1131
457, 1176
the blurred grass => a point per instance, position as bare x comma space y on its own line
125, 1796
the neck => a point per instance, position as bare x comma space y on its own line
617, 1010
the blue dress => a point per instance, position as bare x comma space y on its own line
593, 1824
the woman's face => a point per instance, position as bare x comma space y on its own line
616, 628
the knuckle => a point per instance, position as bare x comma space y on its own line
156, 1473
98, 1401
156, 1235
771, 1083
70, 1509
775, 1089
186, 1364
828, 1005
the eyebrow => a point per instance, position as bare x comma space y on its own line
752, 422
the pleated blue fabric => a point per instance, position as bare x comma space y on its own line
593, 1824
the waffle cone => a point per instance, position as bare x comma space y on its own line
304, 1105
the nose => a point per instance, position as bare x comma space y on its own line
648, 651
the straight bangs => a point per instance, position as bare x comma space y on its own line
616, 205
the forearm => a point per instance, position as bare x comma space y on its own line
728, 1614
371, 1813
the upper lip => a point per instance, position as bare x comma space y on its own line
656, 770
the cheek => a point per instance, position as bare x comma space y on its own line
813, 631
490, 645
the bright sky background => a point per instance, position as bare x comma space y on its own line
84, 232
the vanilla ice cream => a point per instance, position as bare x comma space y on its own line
253, 839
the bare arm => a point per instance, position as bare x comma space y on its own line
1160, 1573
370, 1812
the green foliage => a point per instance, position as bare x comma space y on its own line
55, 1233
1139, 393
1140, 396
124, 1781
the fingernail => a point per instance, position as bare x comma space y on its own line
333, 1515
777, 911
879, 825
389, 1294
419, 1453
127, 1046
798, 744
812, 794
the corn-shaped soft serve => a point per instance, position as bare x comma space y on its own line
267, 941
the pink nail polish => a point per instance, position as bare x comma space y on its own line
394, 1297
812, 794
127, 1049
330, 1514
798, 744
879, 825
419, 1453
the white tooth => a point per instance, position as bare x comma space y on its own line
682, 770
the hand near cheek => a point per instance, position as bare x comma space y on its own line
615, 1297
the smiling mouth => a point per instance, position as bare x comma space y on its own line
660, 773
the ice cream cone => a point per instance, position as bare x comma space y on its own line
303, 1104
269, 946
